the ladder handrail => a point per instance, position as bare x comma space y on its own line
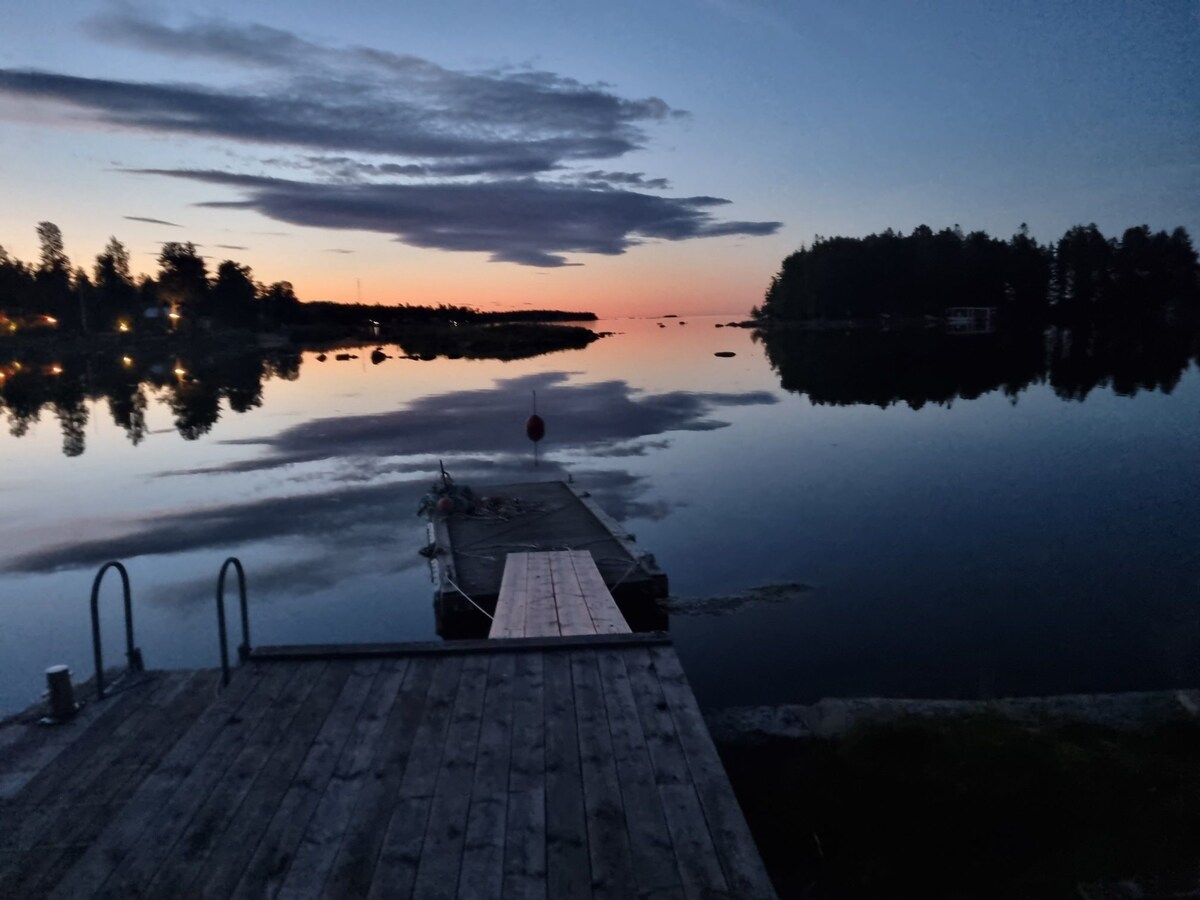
132, 654
244, 649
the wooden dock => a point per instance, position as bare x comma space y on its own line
469, 553
535, 767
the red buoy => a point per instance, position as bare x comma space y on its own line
535, 428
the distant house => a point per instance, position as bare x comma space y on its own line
971, 319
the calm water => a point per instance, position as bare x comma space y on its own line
1013, 543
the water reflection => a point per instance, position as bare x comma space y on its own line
915, 367
191, 382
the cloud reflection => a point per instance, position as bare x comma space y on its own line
352, 514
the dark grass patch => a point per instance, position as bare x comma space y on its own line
976, 807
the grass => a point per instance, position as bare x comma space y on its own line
976, 807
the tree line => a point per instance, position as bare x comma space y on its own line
1083, 274
183, 294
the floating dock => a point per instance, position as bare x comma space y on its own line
468, 553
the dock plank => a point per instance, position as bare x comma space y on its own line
607, 835
541, 618
52, 834
354, 868
319, 847
509, 621
400, 854
138, 868
482, 872
219, 812
738, 855
568, 868
654, 861
122, 833
442, 851
268, 866
605, 614
569, 603
525, 834
231, 851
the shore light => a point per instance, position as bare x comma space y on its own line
180, 371
127, 360
56, 369
50, 320
122, 326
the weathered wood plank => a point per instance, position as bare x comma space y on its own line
63, 783
400, 854
482, 871
52, 835
739, 857
699, 864
138, 868
111, 790
230, 853
605, 614
354, 868
27, 748
72, 747
121, 834
525, 833
658, 727
541, 618
568, 869
267, 868
509, 621
220, 810
607, 835
318, 848
573, 615
654, 863
442, 851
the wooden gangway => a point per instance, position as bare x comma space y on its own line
527, 767
554, 593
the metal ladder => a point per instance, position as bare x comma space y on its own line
134, 655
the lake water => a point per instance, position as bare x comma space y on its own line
1012, 543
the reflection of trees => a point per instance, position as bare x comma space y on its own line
194, 397
70, 408
928, 366
24, 392
197, 407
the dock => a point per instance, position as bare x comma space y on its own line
468, 552
548, 766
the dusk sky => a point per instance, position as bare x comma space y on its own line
628, 158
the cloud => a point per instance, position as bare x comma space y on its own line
231, 247
355, 99
151, 221
523, 221
601, 178
440, 158
337, 250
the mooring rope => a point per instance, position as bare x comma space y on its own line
450, 581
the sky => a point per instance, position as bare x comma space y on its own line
627, 158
